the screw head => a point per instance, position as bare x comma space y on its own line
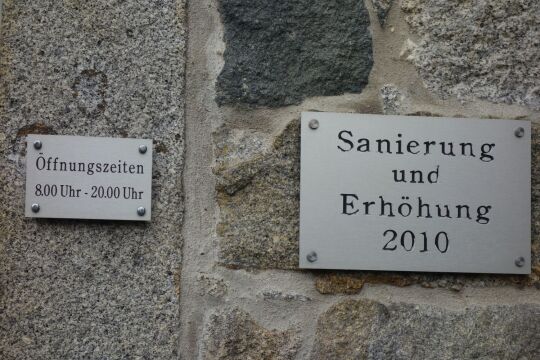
38, 144
314, 124
312, 256
520, 261
143, 149
35, 208
519, 132
141, 211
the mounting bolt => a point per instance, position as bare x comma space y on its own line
520, 261
312, 256
519, 132
141, 211
37, 144
314, 124
35, 208
143, 149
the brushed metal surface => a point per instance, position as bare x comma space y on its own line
63, 177
344, 238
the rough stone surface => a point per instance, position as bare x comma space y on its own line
353, 282
484, 49
91, 289
281, 296
382, 7
258, 195
259, 202
232, 334
349, 282
364, 329
212, 285
279, 52
391, 99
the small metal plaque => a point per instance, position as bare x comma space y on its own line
415, 194
76, 177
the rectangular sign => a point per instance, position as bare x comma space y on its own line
411, 193
88, 178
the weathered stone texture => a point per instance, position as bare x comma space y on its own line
391, 99
211, 285
364, 329
484, 49
259, 202
284, 296
280, 52
91, 289
232, 334
352, 282
258, 195
382, 7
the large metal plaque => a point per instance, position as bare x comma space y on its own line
415, 194
88, 178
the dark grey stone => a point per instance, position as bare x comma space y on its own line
382, 7
363, 329
74, 289
280, 52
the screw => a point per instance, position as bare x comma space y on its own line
314, 124
520, 261
35, 208
141, 211
143, 149
519, 132
37, 144
312, 256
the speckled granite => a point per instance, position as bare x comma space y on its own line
364, 329
478, 49
259, 198
91, 289
231, 334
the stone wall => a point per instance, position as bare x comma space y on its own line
215, 275
91, 289
430, 57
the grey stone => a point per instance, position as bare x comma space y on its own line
281, 296
478, 49
391, 99
364, 329
280, 52
212, 285
259, 202
91, 289
232, 334
382, 7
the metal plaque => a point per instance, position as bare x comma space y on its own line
88, 178
411, 193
